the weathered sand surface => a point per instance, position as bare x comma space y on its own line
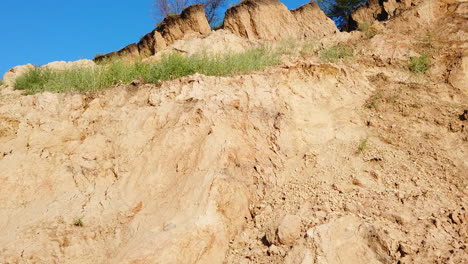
360, 161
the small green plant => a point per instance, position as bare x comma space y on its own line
335, 53
367, 28
363, 145
78, 222
420, 64
1, 82
374, 100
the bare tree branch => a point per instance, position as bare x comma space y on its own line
163, 8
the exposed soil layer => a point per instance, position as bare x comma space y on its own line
360, 160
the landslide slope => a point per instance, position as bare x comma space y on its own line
360, 160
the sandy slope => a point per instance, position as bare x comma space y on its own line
361, 161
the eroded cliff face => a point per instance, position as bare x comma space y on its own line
381, 10
271, 20
308, 162
191, 22
253, 20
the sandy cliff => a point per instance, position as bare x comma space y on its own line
191, 22
308, 162
271, 20
252, 19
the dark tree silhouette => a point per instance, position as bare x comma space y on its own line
340, 10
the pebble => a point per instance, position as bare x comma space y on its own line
290, 229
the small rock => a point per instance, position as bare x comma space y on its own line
168, 226
406, 249
464, 116
299, 255
274, 250
310, 233
289, 229
320, 214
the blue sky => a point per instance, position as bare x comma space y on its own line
39, 32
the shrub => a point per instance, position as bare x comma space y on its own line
373, 101
363, 145
420, 64
367, 29
336, 53
78, 222
170, 67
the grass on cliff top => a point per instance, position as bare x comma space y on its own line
170, 67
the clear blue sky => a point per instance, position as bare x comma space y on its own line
41, 31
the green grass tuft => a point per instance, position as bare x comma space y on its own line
78, 222
367, 29
335, 53
170, 67
420, 64
363, 145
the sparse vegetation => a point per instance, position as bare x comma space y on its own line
309, 47
374, 100
1, 82
363, 145
420, 64
292, 47
78, 222
367, 28
336, 53
170, 67
288, 46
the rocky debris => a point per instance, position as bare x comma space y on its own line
390, 48
10, 76
299, 254
375, 10
289, 230
342, 239
190, 23
271, 20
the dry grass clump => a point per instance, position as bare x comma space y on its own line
367, 28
